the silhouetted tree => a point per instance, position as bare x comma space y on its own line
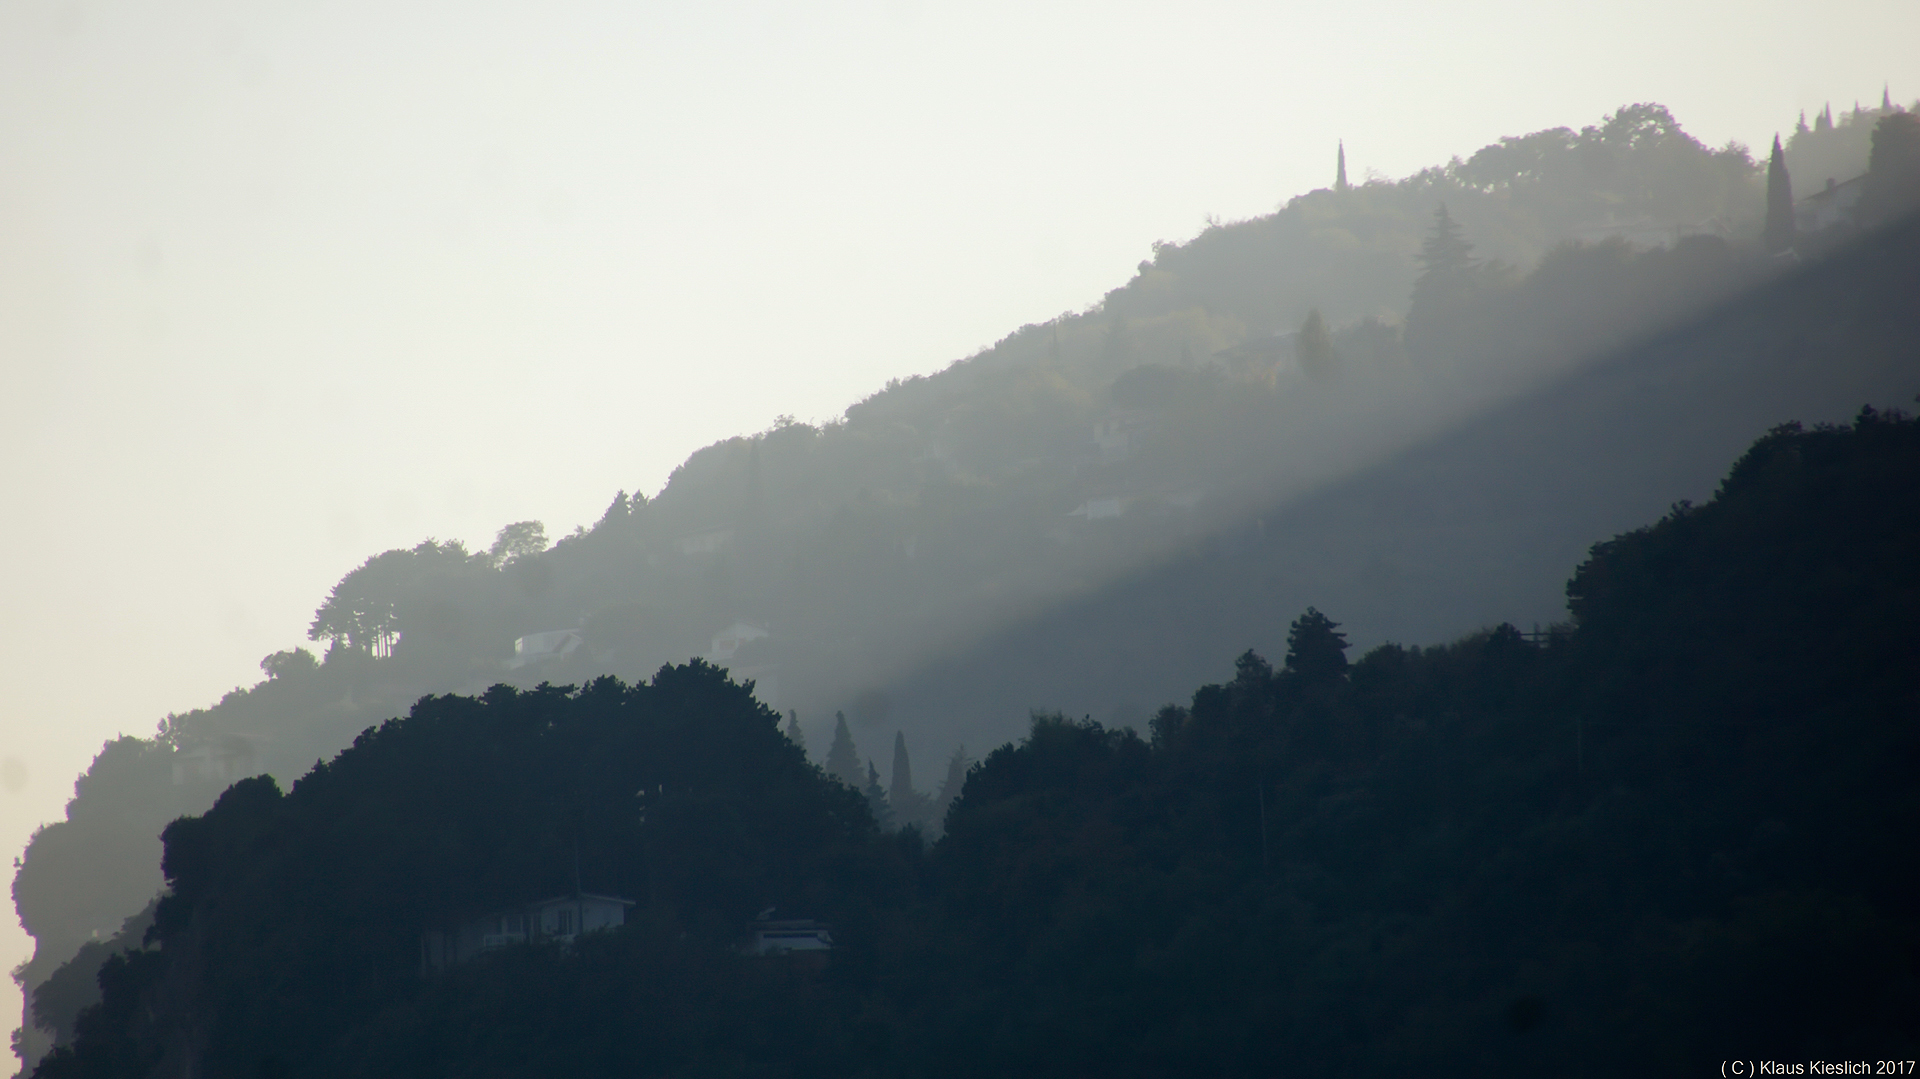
288, 663
518, 540
1340, 169
1779, 232
794, 734
1316, 649
877, 799
1445, 251
953, 784
1893, 168
1315, 346
843, 760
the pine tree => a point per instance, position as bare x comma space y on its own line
1779, 230
1445, 250
843, 760
1316, 649
955, 782
1315, 346
1340, 170
877, 799
1446, 269
794, 733
1824, 121
1800, 128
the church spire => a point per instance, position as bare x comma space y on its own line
1340, 174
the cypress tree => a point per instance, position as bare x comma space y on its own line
901, 792
794, 733
843, 760
1779, 231
1340, 172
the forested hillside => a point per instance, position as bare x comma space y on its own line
1672, 832
1091, 514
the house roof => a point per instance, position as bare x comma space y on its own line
583, 895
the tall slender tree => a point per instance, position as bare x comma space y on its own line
901, 791
1779, 229
794, 734
1340, 170
843, 760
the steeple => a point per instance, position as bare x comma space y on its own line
1340, 174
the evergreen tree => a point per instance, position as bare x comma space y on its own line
1800, 128
1340, 170
794, 733
1446, 268
1779, 229
1315, 346
877, 799
954, 783
1893, 168
901, 791
1445, 251
1316, 649
1824, 121
843, 760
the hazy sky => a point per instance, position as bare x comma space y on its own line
284, 285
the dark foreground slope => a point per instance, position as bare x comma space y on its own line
1472, 527
1675, 833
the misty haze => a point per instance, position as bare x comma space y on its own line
1458, 622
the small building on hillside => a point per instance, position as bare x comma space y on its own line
220, 761
542, 647
1832, 207
559, 919
783, 937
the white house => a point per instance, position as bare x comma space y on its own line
559, 919
541, 647
769, 937
231, 757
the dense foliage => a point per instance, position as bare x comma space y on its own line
1674, 831
942, 519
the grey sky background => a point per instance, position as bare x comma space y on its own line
285, 285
